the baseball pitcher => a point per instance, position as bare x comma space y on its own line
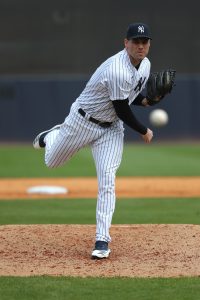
96, 119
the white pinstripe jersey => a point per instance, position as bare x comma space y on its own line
115, 79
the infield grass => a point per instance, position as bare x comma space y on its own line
82, 211
51, 288
138, 160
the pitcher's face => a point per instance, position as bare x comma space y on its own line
137, 49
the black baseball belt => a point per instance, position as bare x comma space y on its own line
93, 120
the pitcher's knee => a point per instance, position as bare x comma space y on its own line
107, 190
51, 163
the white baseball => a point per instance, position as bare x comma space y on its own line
158, 117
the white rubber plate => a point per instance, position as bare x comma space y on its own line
46, 189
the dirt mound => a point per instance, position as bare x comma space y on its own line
137, 251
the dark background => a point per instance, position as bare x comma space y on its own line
48, 50
42, 36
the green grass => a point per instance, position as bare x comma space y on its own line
138, 160
82, 211
50, 288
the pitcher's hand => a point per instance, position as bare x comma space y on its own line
148, 136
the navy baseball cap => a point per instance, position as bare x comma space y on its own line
138, 30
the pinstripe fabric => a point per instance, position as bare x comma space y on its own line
115, 79
107, 146
75, 133
107, 153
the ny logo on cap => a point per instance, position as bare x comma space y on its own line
141, 29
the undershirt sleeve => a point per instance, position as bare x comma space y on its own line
125, 114
138, 100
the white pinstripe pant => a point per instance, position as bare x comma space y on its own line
107, 147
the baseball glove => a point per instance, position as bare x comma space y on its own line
159, 84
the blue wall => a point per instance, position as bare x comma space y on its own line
29, 105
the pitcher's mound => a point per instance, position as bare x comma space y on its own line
137, 251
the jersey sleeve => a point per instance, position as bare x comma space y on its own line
118, 83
